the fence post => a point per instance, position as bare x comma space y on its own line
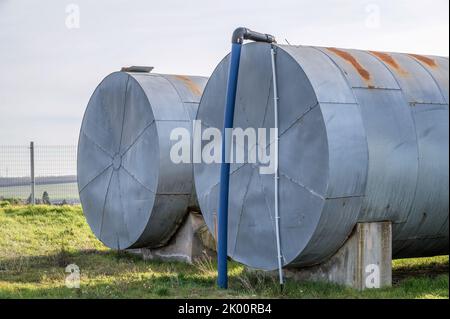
33, 200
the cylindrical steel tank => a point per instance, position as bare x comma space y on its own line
364, 137
132, 194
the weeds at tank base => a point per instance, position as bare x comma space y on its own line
36, 243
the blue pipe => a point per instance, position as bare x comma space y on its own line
222, 240
239, 35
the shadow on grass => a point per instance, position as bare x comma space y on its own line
160, 287
94, 263
113, 274
415, 270
167, 286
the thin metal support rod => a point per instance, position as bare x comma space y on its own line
276, 176
32, 183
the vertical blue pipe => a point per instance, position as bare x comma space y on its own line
222, 240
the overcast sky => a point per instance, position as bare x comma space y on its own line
51, 58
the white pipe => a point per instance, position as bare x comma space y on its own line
276, 177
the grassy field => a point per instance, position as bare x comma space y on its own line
37, 243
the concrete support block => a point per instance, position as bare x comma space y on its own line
191, 242
364, 261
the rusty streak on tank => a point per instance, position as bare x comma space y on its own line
191, 85
428, 61
352, 60
388, 59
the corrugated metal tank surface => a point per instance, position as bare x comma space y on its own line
132, 194
364, 137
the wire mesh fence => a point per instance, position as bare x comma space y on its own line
55, 180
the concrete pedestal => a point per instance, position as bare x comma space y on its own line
364, 261
191, 242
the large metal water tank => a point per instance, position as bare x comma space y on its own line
132, 194
364, 137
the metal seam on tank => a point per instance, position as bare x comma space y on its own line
245, 112
297, 63
104, 205
231, 174
267, 105
150, 109
137, 180
122, 215
147, 99
433, 104
266, 200
436, 82
280, 169
415, 134
179, 95
210, 189
169, 193
374, 88
344, 197
207, 125
189, 84
118, 151
443, 226
388, 59
244, 115
154, 121
166, 76
123, 113
207, 82
298, 119
241, 211
301, 185
82, 131
424, 59
208, 192
360, 116
173, 120
138, 137
98, 175
343, 75
345, 79
294, 123
270, 216
96, 144
344, 54
193, 189
250, 150
340, 103
84, 117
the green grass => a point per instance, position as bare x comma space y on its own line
37, 243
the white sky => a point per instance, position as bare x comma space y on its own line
49, 71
